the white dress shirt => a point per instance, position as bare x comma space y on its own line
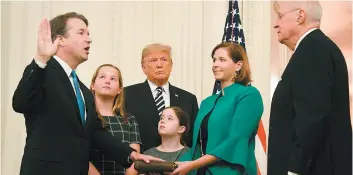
165, 93
302, 37
68, 71
290, 173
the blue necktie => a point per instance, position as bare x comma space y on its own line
79, 98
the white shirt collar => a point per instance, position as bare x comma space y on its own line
64, 65
302, 37
154, 86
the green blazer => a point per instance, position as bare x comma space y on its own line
232, 127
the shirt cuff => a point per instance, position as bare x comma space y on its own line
40, 64
291, 173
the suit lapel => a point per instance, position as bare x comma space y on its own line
147, 95
66, 84
174, 96
207, 106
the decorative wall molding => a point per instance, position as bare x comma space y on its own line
1, 91
46, 9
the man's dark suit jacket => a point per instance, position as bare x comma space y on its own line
310, 130
57, 143
140, 103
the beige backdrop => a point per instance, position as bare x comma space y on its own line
120, 30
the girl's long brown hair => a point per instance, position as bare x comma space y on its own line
119, 100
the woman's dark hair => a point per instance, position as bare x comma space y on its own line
237, 53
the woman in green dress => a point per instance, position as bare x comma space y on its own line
226, 124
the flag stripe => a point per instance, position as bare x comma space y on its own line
258, 169
262, 135
261, 158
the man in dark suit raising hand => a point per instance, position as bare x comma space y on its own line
59, 110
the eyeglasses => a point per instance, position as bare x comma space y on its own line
280, 15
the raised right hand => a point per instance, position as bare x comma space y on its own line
45, 46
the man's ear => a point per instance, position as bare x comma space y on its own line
61, 40
143, 65
143, 68
301, 17
171, 62
182, 129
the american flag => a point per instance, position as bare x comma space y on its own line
233, 32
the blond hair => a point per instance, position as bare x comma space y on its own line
156, 47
